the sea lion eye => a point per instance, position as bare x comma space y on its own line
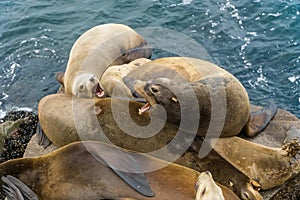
92, 79
203, 192
81, 87
256, 186
153, 89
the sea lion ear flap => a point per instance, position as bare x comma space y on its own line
60, 77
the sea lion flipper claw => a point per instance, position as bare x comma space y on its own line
16, 189
260, 119
41, 136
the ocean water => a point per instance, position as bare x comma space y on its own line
256, 40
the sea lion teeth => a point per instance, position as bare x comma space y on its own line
99, 92
145, 108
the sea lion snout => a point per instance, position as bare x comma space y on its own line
87, 86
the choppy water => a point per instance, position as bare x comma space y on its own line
256, 40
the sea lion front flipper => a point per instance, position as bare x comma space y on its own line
16, 189
124, 165
41, 136
259, 120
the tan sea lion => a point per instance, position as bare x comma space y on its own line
208, 189
184, 86
90, 170
270, 167
95, 50
65, 119
222, 171
112, 79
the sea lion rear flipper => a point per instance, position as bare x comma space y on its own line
124, 165
41, 136
16, 189
260, 119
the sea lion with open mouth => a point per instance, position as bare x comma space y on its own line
183, 84
95, 50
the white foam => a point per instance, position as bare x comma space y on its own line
2, 114
186, 2
26, 109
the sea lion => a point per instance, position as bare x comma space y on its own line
184, 85
95, 50
65, 119
112, 79
208, 189
222, 171
90, 170
269, 167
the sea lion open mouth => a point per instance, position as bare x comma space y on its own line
145, 108
99, 92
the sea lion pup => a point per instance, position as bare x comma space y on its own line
181, 85
94, 170
94, 51
208, 189
112, 79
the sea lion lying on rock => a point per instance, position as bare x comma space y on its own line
270, 167
94, 170
65, 119
191, 89
95, 50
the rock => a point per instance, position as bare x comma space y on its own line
19, 127
34, 149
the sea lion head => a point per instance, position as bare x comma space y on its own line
207, 188
87, 85
251, 191
162, 91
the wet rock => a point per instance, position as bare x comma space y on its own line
18, 134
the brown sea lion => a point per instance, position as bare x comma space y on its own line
190, 88
208, 189
95, 50
112, 79
90, 170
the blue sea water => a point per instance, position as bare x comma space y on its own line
256, 40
